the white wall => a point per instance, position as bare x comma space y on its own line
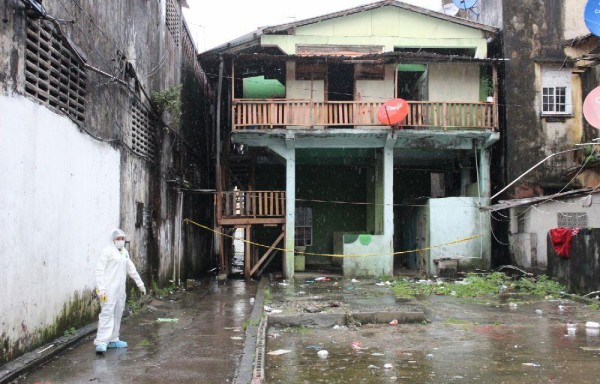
453, 82
302, 89
453, 219
59, 201
539, 221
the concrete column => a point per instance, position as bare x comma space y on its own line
388, 191
485, 184
388, 198
290, 212
485, 221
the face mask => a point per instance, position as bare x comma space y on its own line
119, 244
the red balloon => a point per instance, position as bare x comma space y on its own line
591, 108
393, 112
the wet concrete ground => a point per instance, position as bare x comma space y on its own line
483, 341
203, 346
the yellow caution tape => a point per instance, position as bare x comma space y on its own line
188, 221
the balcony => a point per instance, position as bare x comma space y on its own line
250, 207
432, 115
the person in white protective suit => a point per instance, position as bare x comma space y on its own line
111, 273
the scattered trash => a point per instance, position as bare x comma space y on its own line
373, 367
429, 356
274, 335
252, 300
377, 354
561, 308
316, 347
323, 354
388, 366
279, 352
236, 338
531, 364
394, 322
309, 281
271, 310
284, 284
167, 320
354, 281
592, 349
592, 332
539, 312
322, 279
512, 305
380, 284
300, 293
356, 345
45, 349
388, 283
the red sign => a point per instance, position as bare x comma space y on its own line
393, 112
591, 108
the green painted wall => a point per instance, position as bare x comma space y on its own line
339, 183
388, 27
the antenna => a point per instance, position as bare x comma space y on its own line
467, 5
450, 9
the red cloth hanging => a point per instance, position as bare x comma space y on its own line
561, 241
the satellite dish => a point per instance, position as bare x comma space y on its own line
393, 112
450, 9
591, 106
465, 4
591, 16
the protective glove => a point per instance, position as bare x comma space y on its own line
142, 290
102, 297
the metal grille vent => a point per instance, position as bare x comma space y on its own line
143, 141
173, 21
572, 220
53, 74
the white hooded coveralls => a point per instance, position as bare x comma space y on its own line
111, 273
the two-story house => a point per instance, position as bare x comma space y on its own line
323, 175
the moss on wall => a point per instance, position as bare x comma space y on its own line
78, 311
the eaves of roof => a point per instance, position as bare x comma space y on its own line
505, 204
287, 28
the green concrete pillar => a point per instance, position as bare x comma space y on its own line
290, 212
485, 221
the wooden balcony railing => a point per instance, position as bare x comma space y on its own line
250, 207
269, 114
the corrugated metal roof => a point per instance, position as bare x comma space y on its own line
505, 204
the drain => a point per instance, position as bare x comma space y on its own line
259, 359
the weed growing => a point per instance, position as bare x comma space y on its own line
479, 285
71, 331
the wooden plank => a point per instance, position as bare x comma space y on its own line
260, 204
267, 253
247, 250
240, 221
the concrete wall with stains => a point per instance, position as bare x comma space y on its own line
112, 184
533, 33
55, 221
446, 220
529, 228
580, 272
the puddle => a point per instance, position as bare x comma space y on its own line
464, 343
